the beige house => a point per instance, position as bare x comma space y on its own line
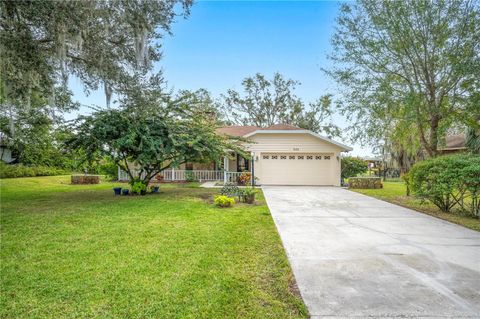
280, 155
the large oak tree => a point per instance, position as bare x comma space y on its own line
408, 68
100, 43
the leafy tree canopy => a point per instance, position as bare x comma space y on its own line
151, 132
100, 42
42, 43
408, 68
352, 166
267, 102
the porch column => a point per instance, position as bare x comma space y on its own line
225, 168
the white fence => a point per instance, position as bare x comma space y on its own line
198, 175
232, 177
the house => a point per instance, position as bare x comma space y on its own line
6, 154
453, 144
281, 154
5, 151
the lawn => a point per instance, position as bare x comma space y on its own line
79, 252
395, 192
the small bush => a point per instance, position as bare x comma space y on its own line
230, 189
109, 169
244, 178
224, 201
139, 187
190, 177
352, 166
19, 170
448, 181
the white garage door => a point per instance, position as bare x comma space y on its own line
297, 169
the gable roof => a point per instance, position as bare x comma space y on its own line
301, 131
237, 130
283, 127
249, 130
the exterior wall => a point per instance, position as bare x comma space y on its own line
294, 144
6, 154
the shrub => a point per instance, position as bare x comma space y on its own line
448, 181
138, 187
224, 201
230, 189
19, 170
190, 177
352, 166
109, 169
244, 178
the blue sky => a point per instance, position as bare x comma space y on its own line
222, 42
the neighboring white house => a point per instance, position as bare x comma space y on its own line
281, 154
6, 154
5, 151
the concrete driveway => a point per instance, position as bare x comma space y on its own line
355, 256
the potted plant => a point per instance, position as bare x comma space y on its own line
117, 190
154, 189
249, 195
139, 188
125, 191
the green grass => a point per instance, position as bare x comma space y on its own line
395, 192
79, 252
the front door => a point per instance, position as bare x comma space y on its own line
243, 164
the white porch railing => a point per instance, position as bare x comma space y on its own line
231, 177
198, 175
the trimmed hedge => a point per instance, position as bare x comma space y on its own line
448, 182
19, 170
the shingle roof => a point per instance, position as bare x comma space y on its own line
247, 131
237, 130
282, 127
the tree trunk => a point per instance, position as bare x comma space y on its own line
433, 141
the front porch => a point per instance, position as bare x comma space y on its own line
228, 172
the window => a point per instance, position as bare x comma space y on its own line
292, 157
326, 157
266, 157
301, 157
318, 157
283, 157
274, 157
309, 157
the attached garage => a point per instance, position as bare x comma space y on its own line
298, 169
294, 156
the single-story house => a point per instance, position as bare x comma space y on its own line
280, 155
